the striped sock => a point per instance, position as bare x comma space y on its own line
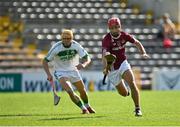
87, 105
80, 104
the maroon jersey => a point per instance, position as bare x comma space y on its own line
116, 46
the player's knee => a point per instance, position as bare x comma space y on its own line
124, 94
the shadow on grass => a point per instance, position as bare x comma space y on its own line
66, 116
75, 117
26, 115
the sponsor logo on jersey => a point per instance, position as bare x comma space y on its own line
67, 54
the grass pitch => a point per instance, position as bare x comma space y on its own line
159, 108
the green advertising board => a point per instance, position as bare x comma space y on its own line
10, 82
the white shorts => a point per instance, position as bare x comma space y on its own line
115, 76
73, 76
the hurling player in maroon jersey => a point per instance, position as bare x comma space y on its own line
114, 43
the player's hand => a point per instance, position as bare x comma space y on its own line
106, 70
50, 78
145, 56
80, 66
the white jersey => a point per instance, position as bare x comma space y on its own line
66, 59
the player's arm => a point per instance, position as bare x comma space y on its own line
104, 61
105, 51
84, 56
141, 49
46, 68
49, 57
86, 60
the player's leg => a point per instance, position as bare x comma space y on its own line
116, 79
122, 89
74, 97
129, 78
83, 94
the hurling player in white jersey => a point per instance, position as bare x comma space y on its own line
65, 55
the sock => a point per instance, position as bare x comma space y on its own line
80, 104
86, 104
137, 107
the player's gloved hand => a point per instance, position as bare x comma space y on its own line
145, 56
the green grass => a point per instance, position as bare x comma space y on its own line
160, 108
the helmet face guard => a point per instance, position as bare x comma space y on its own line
114, 21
